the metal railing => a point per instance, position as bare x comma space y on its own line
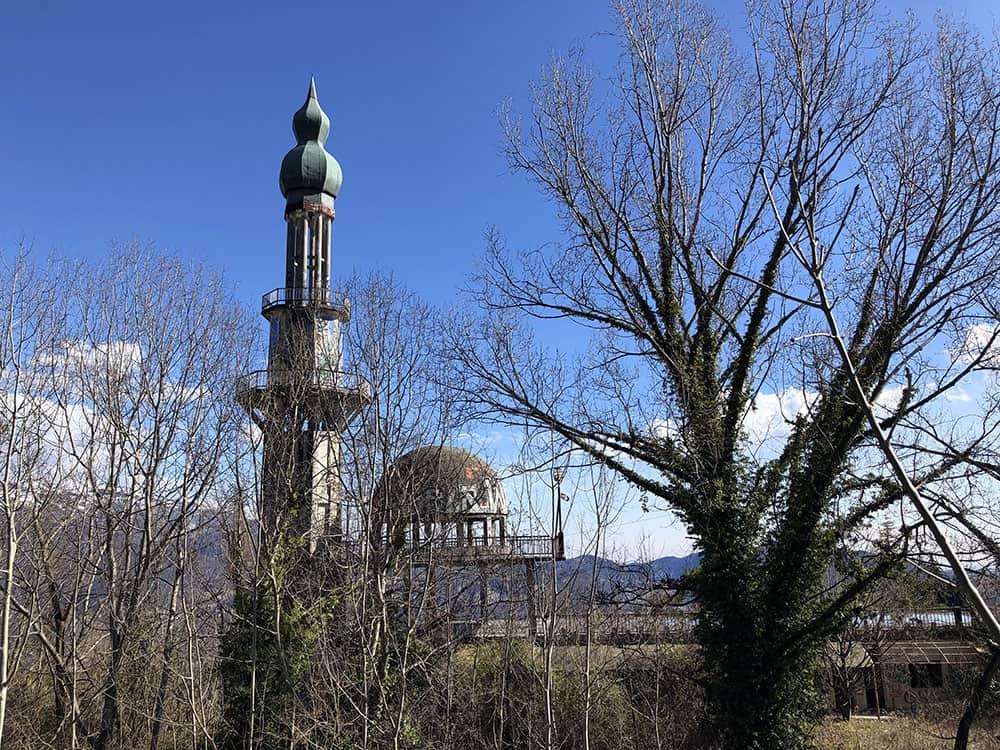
510, 545
674, 627
304, 297
263, 380
618, 628
926, 618
535, 545
678, 626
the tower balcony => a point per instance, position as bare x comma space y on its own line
336, 396
320, 299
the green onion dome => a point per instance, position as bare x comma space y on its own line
308, 173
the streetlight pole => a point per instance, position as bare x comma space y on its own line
557, 553
558, 474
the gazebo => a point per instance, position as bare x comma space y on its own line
448, 503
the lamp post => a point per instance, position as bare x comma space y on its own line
558, 474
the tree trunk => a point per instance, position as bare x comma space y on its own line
109, 712
842, 694
167, 653
979, 694
757, 686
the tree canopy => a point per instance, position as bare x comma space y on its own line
701, 186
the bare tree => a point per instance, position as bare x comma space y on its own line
140, 421
927, 201
30, 324
687, 186
392, 342
329, 643
967, 511
608, 501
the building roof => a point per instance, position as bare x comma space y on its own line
441, 482
308, 173
928, 652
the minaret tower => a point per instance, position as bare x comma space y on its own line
303, 401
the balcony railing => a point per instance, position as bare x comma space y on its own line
618, 628
304, 297
920, 619
510, 546
290, 380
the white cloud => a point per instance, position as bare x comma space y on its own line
771, 415
77, 356
981, 340
61, 440
888, 401
957, 394
663, 428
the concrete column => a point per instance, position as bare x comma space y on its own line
314, 250
325, 252
529, 576
302, 274
290, 255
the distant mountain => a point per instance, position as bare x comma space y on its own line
674, 567
611, 577
662, 567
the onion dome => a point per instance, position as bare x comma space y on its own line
309, 175
442, 483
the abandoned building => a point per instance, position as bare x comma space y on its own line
451, 503
448, 505
921, 659
303, 401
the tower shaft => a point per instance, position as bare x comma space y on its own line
303, 401
307, 260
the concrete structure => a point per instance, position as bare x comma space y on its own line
449, 506
444, 504
303, 401
446, 507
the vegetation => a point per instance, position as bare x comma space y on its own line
893, 734
809, 219
812, 216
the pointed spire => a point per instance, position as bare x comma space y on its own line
310, 123
308, 169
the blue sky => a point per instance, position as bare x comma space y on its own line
168, 122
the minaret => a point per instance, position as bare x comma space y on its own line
303, 402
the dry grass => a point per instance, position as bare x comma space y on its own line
896, 734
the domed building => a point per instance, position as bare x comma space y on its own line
449, 502
442, 502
